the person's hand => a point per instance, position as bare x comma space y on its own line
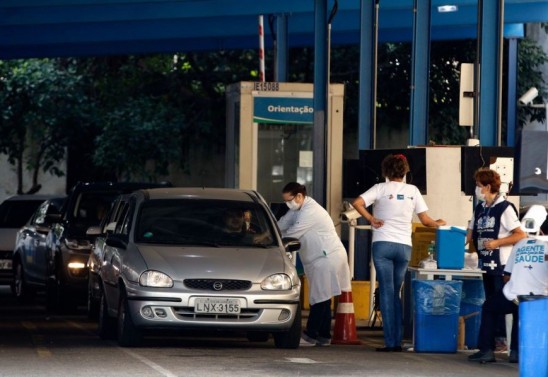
262, 238
490, 244
376, 223
441, 222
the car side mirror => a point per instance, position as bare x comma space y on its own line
53, 218
291, 244
117, 241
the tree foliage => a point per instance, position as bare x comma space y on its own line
41, 102
134, 117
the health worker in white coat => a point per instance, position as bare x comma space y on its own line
323, 257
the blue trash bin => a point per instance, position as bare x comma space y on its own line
533, 336
436, 319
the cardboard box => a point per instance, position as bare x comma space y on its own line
421, 238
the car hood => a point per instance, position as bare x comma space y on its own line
181, 263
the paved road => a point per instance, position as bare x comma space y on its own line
33, 344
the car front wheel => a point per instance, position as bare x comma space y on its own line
292, 337
20, 288
107, 324
128, 334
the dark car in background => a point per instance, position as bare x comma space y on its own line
29, 255
68, 245
14, 213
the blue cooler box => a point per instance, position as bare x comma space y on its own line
436, 317
450, 241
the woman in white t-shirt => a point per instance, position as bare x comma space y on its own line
394, 202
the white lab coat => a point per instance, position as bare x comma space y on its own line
322, 253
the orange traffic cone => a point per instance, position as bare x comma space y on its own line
345, 322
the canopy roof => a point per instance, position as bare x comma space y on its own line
47, 28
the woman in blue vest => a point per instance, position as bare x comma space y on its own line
494, 229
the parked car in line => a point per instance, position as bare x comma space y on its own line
68, 246
181, 258
14, 213
95, 261
29, 255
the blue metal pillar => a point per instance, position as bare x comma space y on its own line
420, 68
280, 71
320, 102
511, 117
368, 74
490, 69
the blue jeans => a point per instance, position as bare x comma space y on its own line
391, 260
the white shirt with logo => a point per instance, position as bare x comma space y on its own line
528, 268
394, 203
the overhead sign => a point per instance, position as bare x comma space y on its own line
283, 110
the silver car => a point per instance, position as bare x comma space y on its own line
199, 258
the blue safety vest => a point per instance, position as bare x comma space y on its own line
487, 227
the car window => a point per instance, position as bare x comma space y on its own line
91, 207
47, 207
16, 213
122, 223
114, 214
196, 222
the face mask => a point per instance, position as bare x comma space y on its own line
293, 206
479, 194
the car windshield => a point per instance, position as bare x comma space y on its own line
204, 222
91, 207
15, 213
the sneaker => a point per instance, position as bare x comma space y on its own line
389, 349
500, 344
307, 341
514, 357
483, 357
324, 342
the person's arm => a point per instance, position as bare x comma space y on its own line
430, 222
512, 239
359, 205
307, 220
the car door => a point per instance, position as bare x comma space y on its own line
112, 255
34, 245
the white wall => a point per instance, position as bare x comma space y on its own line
8, 180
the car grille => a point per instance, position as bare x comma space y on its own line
218, 284
187, 313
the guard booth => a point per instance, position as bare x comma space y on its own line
269, 139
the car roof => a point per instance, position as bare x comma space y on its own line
37, 197
202, 193
123, 186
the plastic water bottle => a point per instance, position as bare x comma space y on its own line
431, 249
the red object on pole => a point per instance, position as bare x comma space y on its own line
261, 50
345, 321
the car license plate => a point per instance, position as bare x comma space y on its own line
213, 305
5, 264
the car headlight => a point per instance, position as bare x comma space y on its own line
155, 279
277, 282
